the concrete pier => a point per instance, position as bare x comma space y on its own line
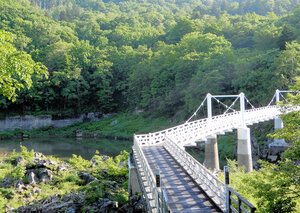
244, 153
278, 124
211, 153
279, 145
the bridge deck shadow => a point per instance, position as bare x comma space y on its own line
184, 195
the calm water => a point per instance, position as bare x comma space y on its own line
64, 147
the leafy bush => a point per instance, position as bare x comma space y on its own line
28, 155
94, 191
18, 172
79, 163
121, 197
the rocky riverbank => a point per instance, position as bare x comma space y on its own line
32, 182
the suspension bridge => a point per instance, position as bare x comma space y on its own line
171, 180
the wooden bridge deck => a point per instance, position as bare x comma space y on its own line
184, 195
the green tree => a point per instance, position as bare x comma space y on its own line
16, 67
288, 64
184, 26
277, 185
286, 35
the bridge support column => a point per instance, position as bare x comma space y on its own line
279, 145
278, 124
244, 153
211, 153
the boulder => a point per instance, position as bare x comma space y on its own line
43, 163
86, 177
114, 122
61, 168
6, 182
20, 160
20, 186
39, 155
38, 191
113, 185
107, 206
137, 204
45, 175
32, 178
94, 162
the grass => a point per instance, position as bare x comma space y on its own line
122, 126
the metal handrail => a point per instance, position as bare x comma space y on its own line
240, 202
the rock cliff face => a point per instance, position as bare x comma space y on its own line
29, 122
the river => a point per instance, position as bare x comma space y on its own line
64, 148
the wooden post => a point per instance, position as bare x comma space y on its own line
227, 193
157, 177
240, 205
157, 180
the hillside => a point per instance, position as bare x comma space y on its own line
160, 57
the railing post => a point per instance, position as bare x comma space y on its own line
227, 195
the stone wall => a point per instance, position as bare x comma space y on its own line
29, 122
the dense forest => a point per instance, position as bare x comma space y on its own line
158, 56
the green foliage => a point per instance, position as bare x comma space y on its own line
28, 155
79, 163
16, 67
67, 181
121, 126
291, 131
121, 197
275, 187
94, 191
18, 172
142, 55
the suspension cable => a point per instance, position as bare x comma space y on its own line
249, 102
282, 96
231, 105
272, 99
227, 107
195, 113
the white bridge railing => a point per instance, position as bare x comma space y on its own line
149, 189
155, 197
212, 185
190, 132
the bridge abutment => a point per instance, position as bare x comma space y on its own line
211, 153
244, 153
133, 182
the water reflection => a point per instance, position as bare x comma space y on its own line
64, 147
